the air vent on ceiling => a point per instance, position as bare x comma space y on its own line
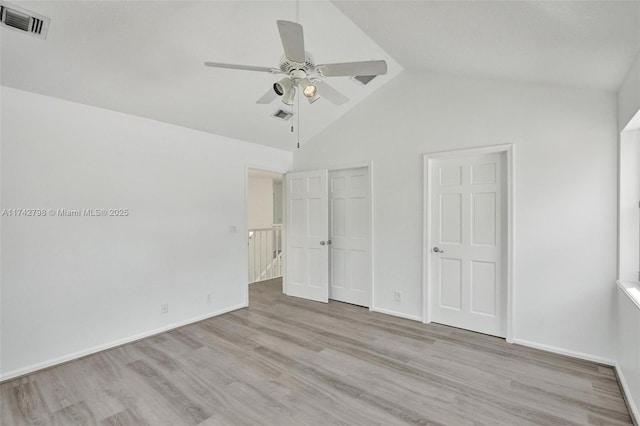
363, 79
282, 115
23, 20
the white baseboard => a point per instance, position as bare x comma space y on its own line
633, 408
80, 354
631, 403
396, 314
567, 352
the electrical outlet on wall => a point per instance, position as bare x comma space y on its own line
164, 308
397, 296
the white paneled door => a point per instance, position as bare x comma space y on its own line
349, 229
468, 233
307, 259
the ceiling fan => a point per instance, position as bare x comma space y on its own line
301, 72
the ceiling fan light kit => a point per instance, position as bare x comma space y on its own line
315, 97
286, 89
301, 71
309, 89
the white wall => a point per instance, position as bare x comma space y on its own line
278, 203
260, 202
565, 230
73, 284
629, 95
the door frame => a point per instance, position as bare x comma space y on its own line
428, 159
245, 225
356, 165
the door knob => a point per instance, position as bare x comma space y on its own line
437, 250
328, 241
322, 243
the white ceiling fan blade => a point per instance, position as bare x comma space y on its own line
243, 67
268, 97
347, 69
292, 40
331, 94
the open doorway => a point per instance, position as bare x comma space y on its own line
264, 224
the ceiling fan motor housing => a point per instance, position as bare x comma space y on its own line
288, 66
298, 72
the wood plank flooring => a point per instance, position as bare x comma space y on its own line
287, 361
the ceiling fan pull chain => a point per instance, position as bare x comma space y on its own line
298, 99
293, 111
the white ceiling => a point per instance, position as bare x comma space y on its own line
146, 58
589, 44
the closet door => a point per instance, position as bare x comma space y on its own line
468, 219
349, 232
307, 247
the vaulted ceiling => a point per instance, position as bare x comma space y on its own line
586, 44
146, 58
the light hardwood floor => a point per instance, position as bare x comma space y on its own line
287, 361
